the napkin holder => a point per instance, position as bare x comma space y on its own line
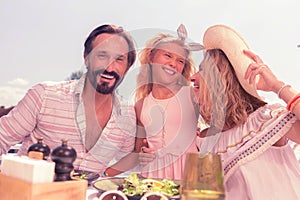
14, 188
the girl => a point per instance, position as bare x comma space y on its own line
166, 109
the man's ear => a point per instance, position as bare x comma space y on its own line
86, 60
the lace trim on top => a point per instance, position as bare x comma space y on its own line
255, 147
263, 128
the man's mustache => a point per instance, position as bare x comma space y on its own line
112, 73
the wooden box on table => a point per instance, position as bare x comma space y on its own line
16, 189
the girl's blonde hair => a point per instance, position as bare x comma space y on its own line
223, 101
144, 77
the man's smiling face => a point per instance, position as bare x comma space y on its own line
107, 62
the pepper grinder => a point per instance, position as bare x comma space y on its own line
39, 150
63, 156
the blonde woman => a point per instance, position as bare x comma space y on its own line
252, 135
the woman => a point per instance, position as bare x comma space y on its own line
252, 135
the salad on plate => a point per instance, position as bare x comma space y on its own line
133, 185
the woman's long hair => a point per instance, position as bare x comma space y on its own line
223, 101
144, 78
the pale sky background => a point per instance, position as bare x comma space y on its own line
42, 40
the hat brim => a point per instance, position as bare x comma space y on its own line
232, 44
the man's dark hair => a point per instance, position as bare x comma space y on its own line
111, 29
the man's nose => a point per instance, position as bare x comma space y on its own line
110, 64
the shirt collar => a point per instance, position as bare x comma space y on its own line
80, 85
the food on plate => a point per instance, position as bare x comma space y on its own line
82, 175
133, 185
79, 174
86, 175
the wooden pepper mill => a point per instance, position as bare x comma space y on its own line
63, 156
39, 150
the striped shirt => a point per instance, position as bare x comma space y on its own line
55, 111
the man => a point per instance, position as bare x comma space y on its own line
86, 112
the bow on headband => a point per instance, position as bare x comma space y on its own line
182, 34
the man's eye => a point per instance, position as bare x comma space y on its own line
120, 59
102, 55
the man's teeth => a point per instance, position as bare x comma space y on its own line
107, 76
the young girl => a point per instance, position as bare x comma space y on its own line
166, 111
252, 135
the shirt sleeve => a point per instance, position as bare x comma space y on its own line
22, 119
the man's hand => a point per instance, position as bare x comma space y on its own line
146, 155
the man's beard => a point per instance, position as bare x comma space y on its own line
104, 87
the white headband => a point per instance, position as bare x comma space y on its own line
182, 34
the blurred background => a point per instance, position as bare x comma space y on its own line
43, 40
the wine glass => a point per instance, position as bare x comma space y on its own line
202, 178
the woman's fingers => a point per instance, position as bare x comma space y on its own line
255, 68
251, 72
260, 73
253, 56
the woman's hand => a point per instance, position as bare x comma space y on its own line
261, 73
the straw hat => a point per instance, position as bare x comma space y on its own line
232, 44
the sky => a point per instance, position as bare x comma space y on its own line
42, 40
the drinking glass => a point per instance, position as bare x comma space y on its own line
202, 178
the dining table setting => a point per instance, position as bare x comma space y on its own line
202, 179
35, 177
85, 185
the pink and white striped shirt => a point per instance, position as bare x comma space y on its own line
55, 111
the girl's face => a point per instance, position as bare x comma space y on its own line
168, 62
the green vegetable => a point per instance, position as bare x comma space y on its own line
83, 175
133, 185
